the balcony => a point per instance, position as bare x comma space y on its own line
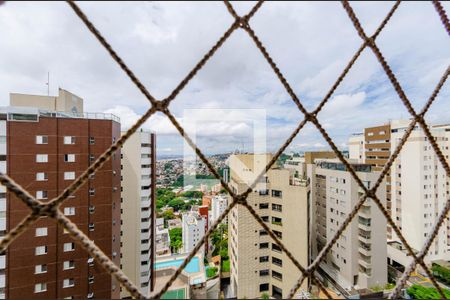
145, 235
365, 238
363, 250
145, 203
145, 246
145, 214
366, 271
145, 225
365, 212
364, 263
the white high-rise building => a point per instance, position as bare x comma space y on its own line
356, 148
417, 185
193, 230
420, 189
218, 205
138, 219
358, 259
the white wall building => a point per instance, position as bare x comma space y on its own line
193, 230
137, 217
358, 259
218, 205
420, 189
418, 185
356, 148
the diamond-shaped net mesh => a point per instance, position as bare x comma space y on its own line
51, 208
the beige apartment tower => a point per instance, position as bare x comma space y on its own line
257, 264
138, 211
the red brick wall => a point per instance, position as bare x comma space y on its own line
22, 167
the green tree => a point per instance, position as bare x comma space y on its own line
192, 194
167, 215
177, 204
421, 292
211, 272
265, 296
175, 238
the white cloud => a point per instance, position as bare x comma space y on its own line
162, 41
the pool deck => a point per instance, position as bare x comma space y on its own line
194, 277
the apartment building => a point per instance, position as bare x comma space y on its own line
420, 189
417, 185
162, 241
193, 230
258, 265
44, 151
358, 259
218, 205
356, 148
138, 211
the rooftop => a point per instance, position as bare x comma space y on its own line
339, 166
14, 113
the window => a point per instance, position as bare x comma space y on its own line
41, 158
68, 283
69, 211
277, 261
90, 261
41, 176
91, 279
277, 275
91, 227
91, 157
69, 140
41, 139
264, 192
39, 269
40, 250
69, 157
91, 192
263, 287
41, 194
262, 232
69, 247
278, 234
265, 218
276, 193
90, 295
69, 175
41, 231
91, 209
277, 221
40, 287
91, 140
263, 205
276, 207
68, 264
276, 248
264, 272
263, 259
263, 245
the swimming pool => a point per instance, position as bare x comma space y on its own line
192, 267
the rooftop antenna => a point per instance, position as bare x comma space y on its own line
48, 83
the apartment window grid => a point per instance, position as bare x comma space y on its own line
242, 23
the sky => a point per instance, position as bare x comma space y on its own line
236, 98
